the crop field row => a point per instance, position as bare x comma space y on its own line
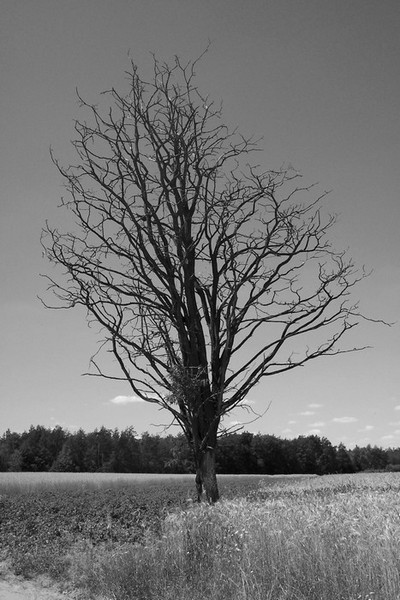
315, 538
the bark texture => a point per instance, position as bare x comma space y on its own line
206, 477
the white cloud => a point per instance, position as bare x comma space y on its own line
287, 431
291, 422
397, 407
314, 432
247, 401
387, 437
125, 399
345, 419
314, 405
235, 423
318, 424
366, 428
307, 413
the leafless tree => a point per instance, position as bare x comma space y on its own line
205, 273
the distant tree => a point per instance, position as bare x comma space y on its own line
64, 461
205, 273
15, 462
326, 460
9, 443
99, 448
393, 459
229, 457
78, 443
307, 452
55, 439
270, 455
151, 453
343, 460
3, 460
358, 459
372, 458
126, 451
34, 449
289, 449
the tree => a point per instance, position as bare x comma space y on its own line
326, 461
9, 443
64, 461
205, 273
343, 460
127, 453
99, 450
35, 453
271, 457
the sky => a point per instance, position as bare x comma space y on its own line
317, 79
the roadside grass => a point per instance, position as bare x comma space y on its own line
323, 538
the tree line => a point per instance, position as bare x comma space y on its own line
107, 450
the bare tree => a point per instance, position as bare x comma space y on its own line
205, 273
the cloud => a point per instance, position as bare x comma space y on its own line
307, 413
317, 424
387, 437
397, 407
125, 399
314, 405
345, 420
247, 401
313, 432
235, 423
292, 422
366, 428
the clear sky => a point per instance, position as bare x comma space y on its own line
318, 79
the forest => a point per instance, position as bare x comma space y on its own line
108, 450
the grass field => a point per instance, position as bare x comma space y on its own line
136, 538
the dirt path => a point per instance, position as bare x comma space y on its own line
16, 588
27, 590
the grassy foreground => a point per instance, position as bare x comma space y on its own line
327, 538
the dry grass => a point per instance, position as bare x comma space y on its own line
331, 538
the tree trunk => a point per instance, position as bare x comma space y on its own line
206, 478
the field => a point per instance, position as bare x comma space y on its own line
141, 538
